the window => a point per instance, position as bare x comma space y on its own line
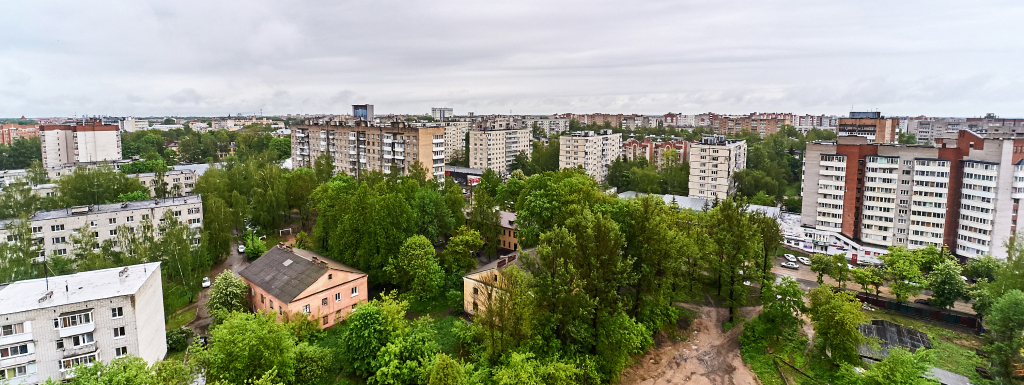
95, 234
117, 312
337, 297
305, 309
121, 351
145, 217
112, 221
80, 360
9, 330
262, 299
72, 320
17, 371
323, 302
60, 344
119, 332
193, 211
355, 291
113, 232
57, 228
177, 213
59, 240
330, 276
271, 304
81, 339
62, 251
11, 351
37, 229
325, 318
130, 218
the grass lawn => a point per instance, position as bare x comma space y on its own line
181, 319
176, 356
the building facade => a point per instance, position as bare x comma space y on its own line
80, 142
593, 151
761, 123
494, 144
654, 151
961, 193
455, 139
10, 131
364, 146
550, 126
362, 112
442, 114
51, 230
293, 282
49, 326
713, 162
871, 125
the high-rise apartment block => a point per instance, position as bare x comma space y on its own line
11, 131
48, 326
548, 125
961, 193
713, 162
87, 141
455, 139
761, 123
871, 125
493, 144
364, 146
593, 151
442, 114
362, 112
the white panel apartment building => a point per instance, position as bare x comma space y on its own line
79, 142
49, 326
495, 143
454, 138
962, 193
713, 162
52, 229
594, 151
550, 126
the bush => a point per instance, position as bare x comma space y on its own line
177, 340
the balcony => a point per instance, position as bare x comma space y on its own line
79, 350
436, 141
76, 330
16, 338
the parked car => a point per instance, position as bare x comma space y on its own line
206, 282
790, 265
864, 263
789, 257
922, 301
241, 248
804, 260
851, 267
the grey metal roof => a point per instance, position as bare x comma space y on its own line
61, 290
698, 204
113, 207
283, 279
890, 335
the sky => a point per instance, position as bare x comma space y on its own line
217, 57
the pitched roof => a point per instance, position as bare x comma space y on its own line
285, 273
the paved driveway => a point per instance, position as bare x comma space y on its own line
235, 262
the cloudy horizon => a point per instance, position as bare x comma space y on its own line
214, 58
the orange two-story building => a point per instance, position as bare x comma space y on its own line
293, 281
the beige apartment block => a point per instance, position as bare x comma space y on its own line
363, 146
48, 326
454, 138
80, 142
593, 151
495, 143
713, 161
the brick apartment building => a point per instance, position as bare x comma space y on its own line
11, 131
871, 125
654, 150
362, 145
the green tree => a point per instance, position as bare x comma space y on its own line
18, 255
133, 196
183, 262
323, 167
1006, 323
282, 147
36, 174
866, 278
835, 316
822, 264
984, 267
404, 359
840, 270
457, 257
907, 138
524, 369
229, 294
416, 269
217, 226
300, 185
371, 327
901, 368
245, 347
645, 180
313, 364
485, 218
904, 271
783, 304
254, 246
93, 186
131, 370
433, 219
946, 285
445, 371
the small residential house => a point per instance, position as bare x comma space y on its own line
293, 281
509, 237
478, 286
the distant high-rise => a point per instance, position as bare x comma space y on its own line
441, 114
363, 112
85, 141
871, 125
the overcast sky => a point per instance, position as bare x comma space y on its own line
213, 57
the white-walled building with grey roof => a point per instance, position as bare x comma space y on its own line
50, 325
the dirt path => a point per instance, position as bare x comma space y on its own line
708, 356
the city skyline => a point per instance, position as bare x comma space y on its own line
218, 58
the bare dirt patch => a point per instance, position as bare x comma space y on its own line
708, 356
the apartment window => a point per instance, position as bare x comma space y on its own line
263, 299
72, 320
95, 234
117, 312
119, 332
193, 211
37, 229
145, 217
323, 302
355, 290
80, 360
337, 297
130, 218
60, 344
325, 320
62, 251
10, 330
271, 304
121, 351
17, 371
57, 228
59, 240
112, 221
81, 339
113, 232
177, 213
904, 192
305, 309
11, 351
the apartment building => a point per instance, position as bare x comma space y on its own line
86, 141
364, 146
50, 325
678, 120
761, 123
654, 150
550, 126
363, 112
632, 122
289, 281
871, 125
961, 193
493, 144
11, 131
51, 230
454, 138
804, 123
713, 161
593, 151
177, 182
442, 114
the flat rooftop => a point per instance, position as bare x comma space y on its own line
31, 294
112, 207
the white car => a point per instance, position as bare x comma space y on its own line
804, 260
241, 249
789, 257
790, 265
206, 282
